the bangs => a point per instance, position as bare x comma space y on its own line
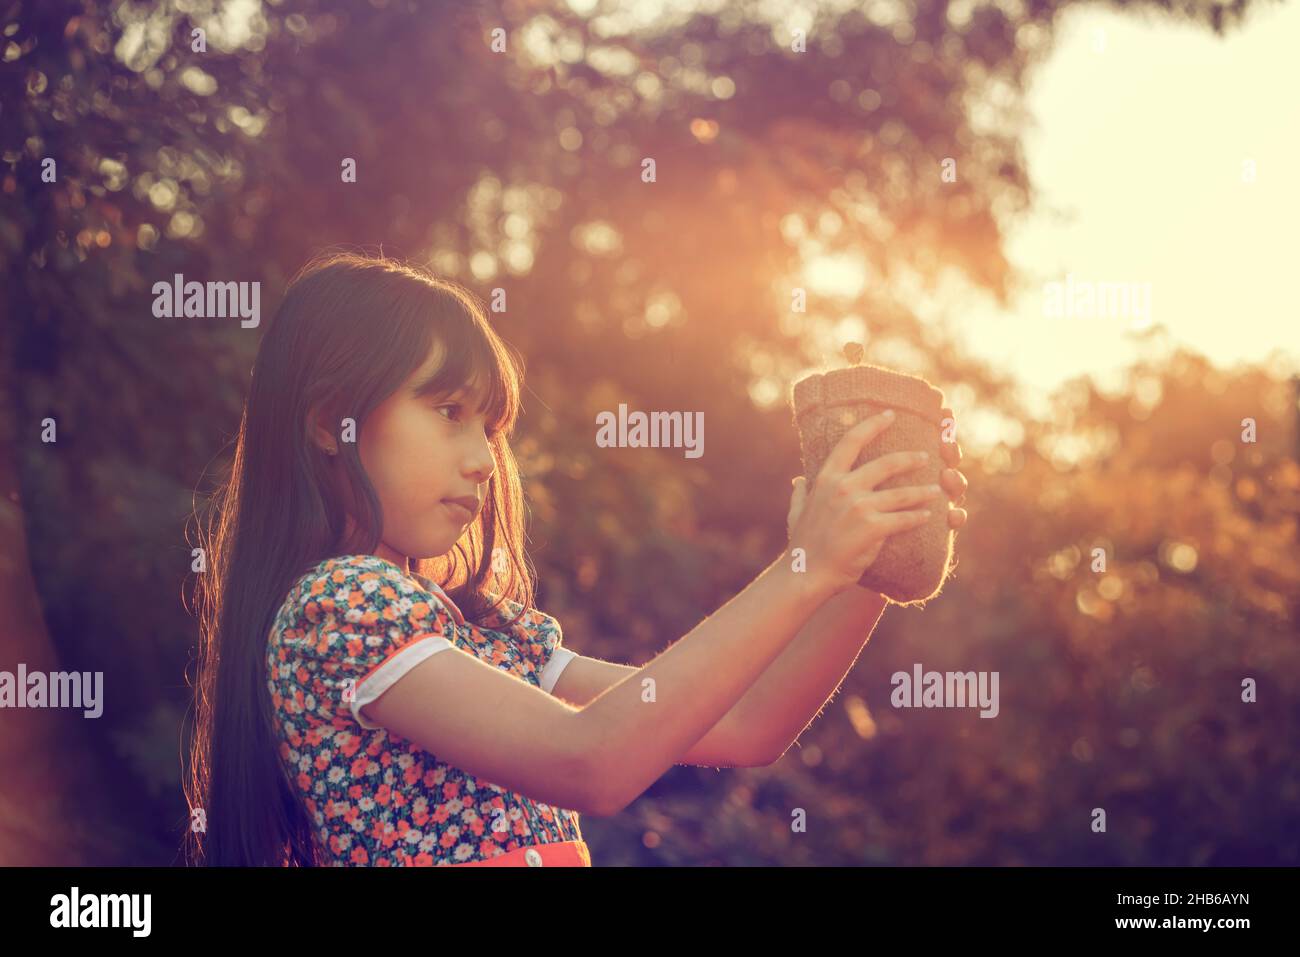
478, 367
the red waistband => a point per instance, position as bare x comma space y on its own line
554, 854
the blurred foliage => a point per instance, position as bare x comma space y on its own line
1118, 689
521, 170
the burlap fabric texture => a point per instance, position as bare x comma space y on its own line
912, 565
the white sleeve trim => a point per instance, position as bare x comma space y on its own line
560, 659
387, 674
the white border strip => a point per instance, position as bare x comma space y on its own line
560, 659
391, 670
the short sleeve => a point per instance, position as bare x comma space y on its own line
550, 655
362, 625
555, 667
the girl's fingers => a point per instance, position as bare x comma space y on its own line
956, 517
894, 499
954, 483
870, 474
798, 496
951, 450
894, 522
852, 443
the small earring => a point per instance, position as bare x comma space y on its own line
332, 450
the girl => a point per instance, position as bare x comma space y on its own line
375, 687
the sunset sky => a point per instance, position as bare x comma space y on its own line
1143, 132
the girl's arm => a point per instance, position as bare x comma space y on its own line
599, 758
725, 745
793, 691
785, 699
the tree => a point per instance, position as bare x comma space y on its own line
519, 170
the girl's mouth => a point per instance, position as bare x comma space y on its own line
460, 512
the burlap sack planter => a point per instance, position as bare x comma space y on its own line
912, 565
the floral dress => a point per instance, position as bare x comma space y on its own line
348, 630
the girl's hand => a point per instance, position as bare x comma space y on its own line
845, 521
953, 482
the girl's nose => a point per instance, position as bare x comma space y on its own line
482, 468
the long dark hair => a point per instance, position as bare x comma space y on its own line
348, 333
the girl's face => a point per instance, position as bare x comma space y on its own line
420, 450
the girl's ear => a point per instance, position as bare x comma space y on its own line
321, 436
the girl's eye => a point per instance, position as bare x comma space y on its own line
489, 432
